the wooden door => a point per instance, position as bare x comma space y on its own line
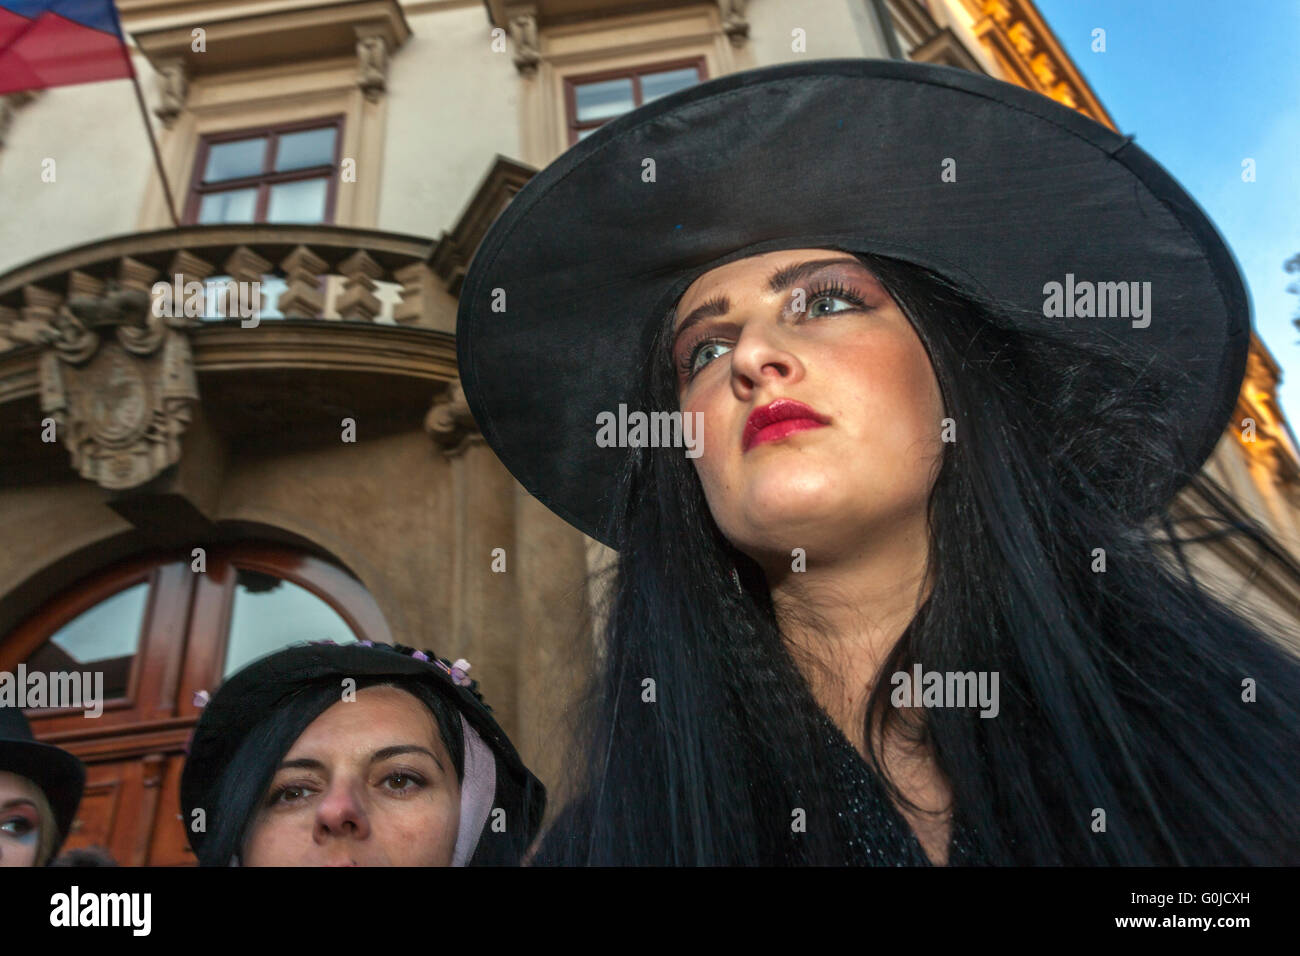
157, 630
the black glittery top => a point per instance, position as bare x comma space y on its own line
869, 829
873, 831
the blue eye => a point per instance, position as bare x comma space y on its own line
833, 292
17, 826
707, 351
827, 298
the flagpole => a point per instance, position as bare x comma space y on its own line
157, 157
144, 114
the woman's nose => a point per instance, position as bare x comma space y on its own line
762, 355
342, 812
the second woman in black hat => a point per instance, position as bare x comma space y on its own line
40, 790
355, 755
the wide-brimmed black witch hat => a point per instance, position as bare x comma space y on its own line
494, 775
58, 774
998, 189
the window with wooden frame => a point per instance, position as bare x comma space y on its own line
595, 98
282, 173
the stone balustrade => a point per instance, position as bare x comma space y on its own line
303, 272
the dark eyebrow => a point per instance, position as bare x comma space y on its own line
18, 802
302, 763
400, 749
780, 280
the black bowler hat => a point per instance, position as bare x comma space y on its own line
58, 774
494, 776
839, 153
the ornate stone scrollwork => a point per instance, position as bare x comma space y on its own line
734, 23
118, 381
173, 87
372, 66
450, 423
1268, 447
523, 33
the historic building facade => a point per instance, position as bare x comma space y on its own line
186, 484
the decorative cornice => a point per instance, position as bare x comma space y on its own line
454, 250
1021, 40
262, 39
943, 48
1258, 422
526, 20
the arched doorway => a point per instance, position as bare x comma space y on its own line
153, 632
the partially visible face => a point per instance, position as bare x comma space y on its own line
368, 783
860, 457
20, 822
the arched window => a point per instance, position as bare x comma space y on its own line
151, 633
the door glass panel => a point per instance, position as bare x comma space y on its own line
103, 639
302, 201
270, 613
243, 157
311, 147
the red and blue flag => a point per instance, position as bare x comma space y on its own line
60, 42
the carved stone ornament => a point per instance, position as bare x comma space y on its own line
119, 382
523, 32
173, 87
734, 23
450, 423
372, 66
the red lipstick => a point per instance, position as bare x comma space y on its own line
775, 421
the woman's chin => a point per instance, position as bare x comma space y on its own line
778, 525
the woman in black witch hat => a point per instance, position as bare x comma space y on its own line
40, 789
907, 590
355, 755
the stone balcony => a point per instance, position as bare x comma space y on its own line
274, 333
311, 272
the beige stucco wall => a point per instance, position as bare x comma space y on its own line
95, 134
831, 28
453, 104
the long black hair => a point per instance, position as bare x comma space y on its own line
245, 780
1131, 690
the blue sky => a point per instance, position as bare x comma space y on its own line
1202, 85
